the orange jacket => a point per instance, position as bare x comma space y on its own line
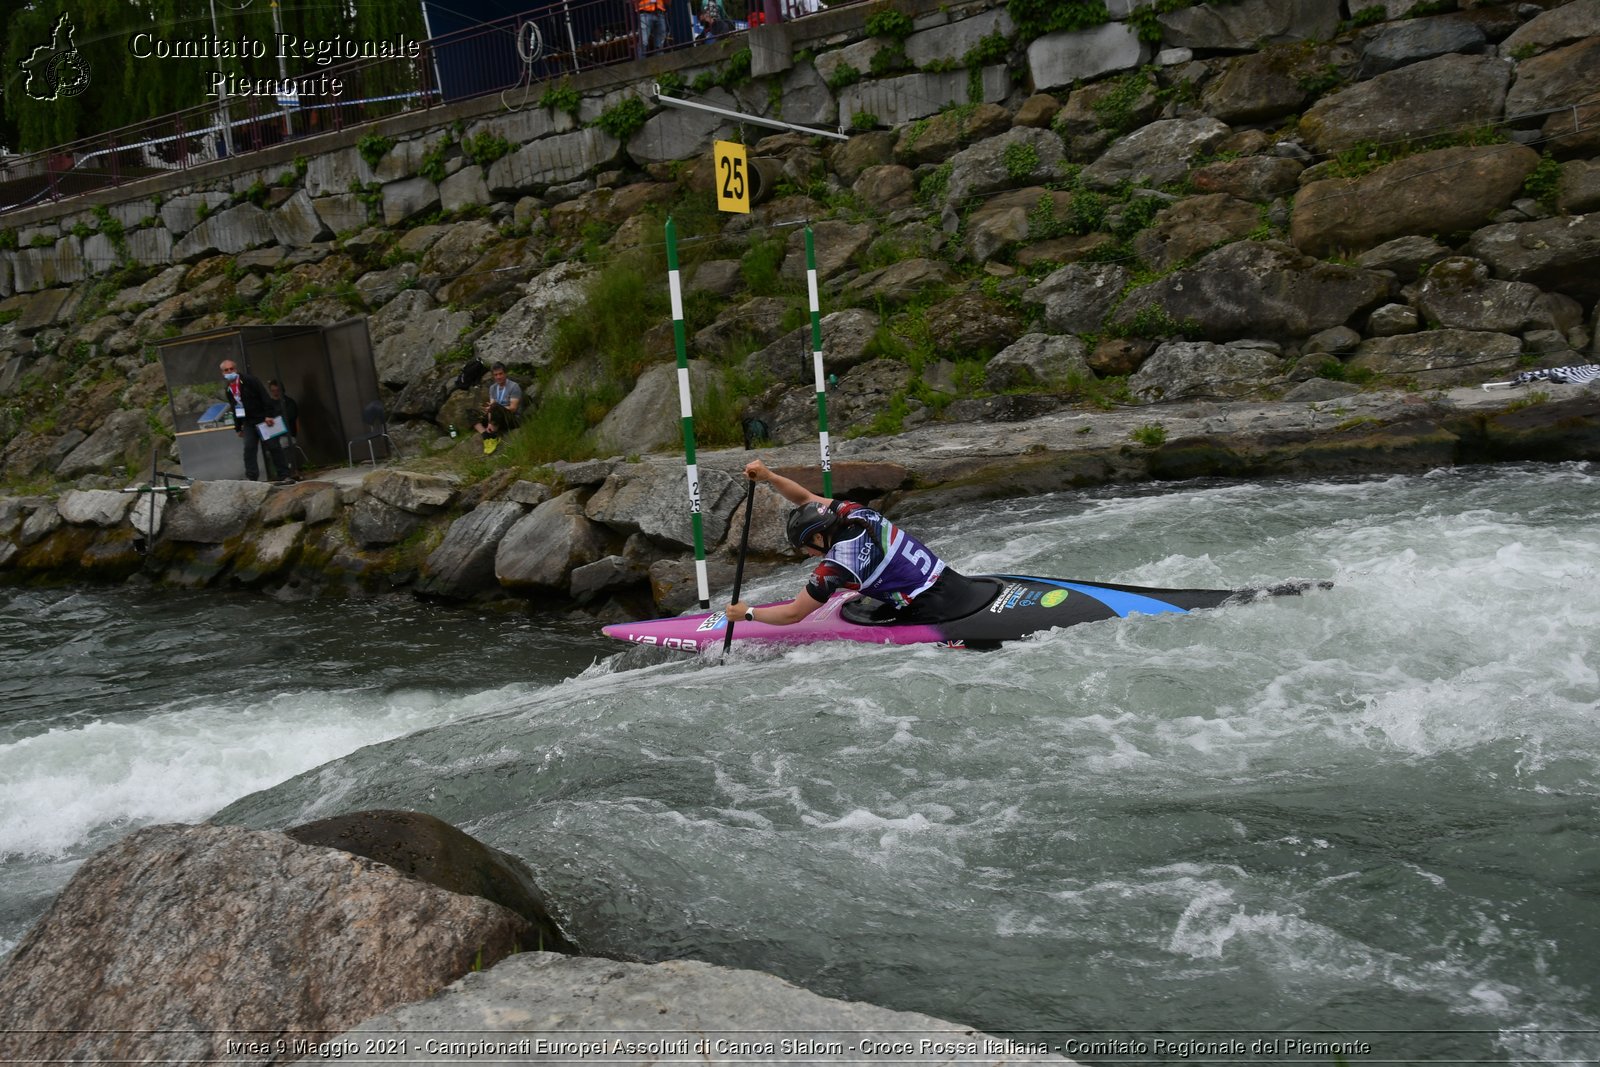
652, 5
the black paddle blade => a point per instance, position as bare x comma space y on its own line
738, 568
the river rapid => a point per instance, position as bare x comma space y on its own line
1367, 814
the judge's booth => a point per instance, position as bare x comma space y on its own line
327, 370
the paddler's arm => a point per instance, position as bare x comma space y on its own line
777, 614
788, 488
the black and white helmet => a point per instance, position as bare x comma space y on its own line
813, 518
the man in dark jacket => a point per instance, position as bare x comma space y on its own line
252, 409
284, 405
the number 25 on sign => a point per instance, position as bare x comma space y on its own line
733, 169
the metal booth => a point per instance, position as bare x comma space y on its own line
328, 370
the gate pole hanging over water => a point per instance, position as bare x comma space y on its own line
816, 362
686, 410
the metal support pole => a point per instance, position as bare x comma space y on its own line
222, 91
283, 73
572, 37
754, 120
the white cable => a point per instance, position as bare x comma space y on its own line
530, 47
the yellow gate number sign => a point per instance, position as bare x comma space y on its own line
733, 171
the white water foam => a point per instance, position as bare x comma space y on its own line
1194, 920
61, 788
1254, 810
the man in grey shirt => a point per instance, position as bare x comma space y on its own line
501, 410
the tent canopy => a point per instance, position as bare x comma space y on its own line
328, 370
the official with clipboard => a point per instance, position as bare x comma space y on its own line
253, 420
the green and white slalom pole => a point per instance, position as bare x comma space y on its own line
686, 410
816, 361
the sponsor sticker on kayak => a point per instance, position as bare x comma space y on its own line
1015, 595
1010, 593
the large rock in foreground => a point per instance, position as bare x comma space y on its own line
680, 1011
180, 939
431, 850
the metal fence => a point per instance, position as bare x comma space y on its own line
562, 38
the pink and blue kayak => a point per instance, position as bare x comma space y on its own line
1018, 605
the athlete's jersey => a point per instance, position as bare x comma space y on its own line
882, 560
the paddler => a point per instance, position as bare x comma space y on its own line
860, 549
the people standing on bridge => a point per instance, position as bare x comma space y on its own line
714, 21
652, 26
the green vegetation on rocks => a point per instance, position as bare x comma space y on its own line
485, 148
373, 147
1035, 18
1544, 183
433, 162
562, 96
624, 119
888, 21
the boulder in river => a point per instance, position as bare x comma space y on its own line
178, 940
431, 850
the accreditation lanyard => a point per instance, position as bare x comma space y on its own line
238, 401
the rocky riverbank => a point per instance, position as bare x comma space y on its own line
614, 535
1288, 200
388, 936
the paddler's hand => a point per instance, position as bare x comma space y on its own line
736, 611
757, 471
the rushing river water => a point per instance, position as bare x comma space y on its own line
1368, 813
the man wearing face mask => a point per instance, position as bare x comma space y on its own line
251, 405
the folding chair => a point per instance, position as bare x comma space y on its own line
377, 429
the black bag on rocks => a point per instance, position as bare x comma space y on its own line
471, 374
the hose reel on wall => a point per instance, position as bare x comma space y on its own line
765, 174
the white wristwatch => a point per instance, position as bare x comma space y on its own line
750, 614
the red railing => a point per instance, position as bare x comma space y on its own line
513, 53
238, 125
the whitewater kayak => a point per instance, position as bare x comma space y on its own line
1018, 606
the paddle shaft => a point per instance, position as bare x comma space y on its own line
738, 569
